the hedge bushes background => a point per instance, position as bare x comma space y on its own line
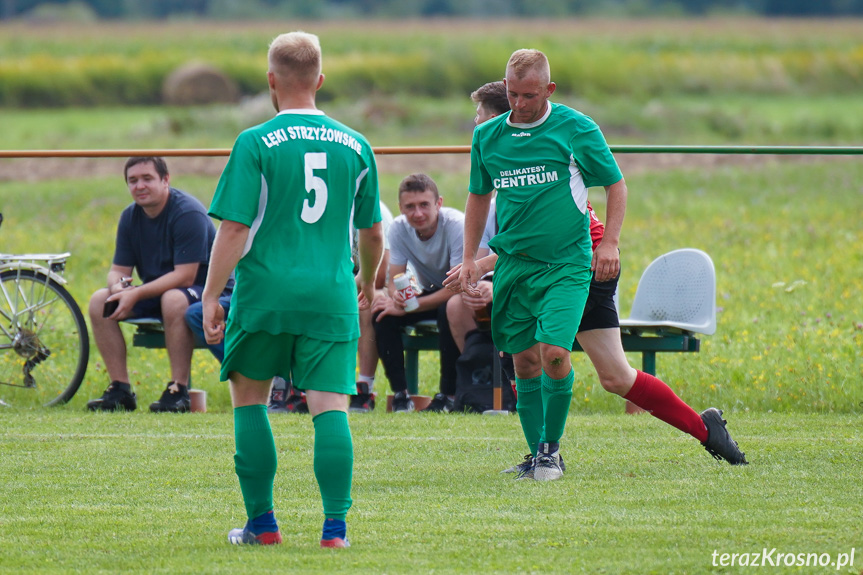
94, 65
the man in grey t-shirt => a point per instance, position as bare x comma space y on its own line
430, 238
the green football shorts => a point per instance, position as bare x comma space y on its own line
536, 301
308, 363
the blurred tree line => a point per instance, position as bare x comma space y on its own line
341, 9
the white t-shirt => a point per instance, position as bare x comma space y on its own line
430, 258
386, 222
490, 226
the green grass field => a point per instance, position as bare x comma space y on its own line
140, 493
398, 120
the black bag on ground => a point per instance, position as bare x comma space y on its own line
475, 376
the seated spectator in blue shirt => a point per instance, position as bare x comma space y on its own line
165, 236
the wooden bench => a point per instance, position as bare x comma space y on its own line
418, 337
150, 333
424, 336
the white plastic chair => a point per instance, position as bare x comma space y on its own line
677, 291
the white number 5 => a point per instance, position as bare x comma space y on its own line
314, 161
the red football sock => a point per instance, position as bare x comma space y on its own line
653, 395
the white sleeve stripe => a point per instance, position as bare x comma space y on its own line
360, 179
576, 186
259, 219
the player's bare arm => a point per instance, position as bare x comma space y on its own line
227, 249
475, 215
606, 258
453, 276
371, 248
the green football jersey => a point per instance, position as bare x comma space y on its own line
296, 181
542, 172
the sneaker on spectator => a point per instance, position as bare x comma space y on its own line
363, 401
402, 402
440, 403
547, 462
118, 395
277, 401
244, 536
719, 443
296, 403
175, 399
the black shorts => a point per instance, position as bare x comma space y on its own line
153, 307
600, 311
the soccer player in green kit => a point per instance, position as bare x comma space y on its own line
541, 158
285, 201
599, 336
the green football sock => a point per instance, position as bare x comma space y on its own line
334, 462
556, 397
255, 461
530, 410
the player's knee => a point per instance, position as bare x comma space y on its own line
527, 364
615, 385
556, 357
618, 382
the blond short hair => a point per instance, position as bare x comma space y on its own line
525, 60
296, 55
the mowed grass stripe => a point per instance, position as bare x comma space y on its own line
134, 494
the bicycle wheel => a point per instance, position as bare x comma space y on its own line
44, 345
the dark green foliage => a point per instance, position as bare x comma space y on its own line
162, 9
97, 65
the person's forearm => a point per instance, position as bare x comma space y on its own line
615, 212
371, 248
182, 276
116, 275
433, 300
475, 216
381, 278
227, 249
487, 263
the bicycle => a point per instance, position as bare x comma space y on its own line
44, 344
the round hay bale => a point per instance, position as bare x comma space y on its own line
197, 83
